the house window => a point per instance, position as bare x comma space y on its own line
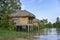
30, 20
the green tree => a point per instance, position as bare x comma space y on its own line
9, 6
49, 25
6, 8
57, 23
57, 20
43, 23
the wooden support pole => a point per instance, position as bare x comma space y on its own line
28, 28
38, 30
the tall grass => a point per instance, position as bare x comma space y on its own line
9, 35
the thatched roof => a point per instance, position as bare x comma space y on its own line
21, 13
36, 20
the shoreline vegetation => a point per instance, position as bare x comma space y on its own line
13, 35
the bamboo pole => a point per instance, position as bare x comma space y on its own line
28, 28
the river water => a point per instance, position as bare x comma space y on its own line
49, 34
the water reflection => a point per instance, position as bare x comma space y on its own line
50, 34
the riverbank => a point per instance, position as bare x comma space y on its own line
14, 38
13, 35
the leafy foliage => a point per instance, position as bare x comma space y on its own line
6, 8
9, 6
57, 23
45, 24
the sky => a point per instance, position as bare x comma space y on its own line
43, 9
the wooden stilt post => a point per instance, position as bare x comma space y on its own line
32, 29
38, 30
28, 28
28, 32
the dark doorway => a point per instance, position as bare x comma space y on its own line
19, 28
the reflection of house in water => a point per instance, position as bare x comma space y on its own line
24, 19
